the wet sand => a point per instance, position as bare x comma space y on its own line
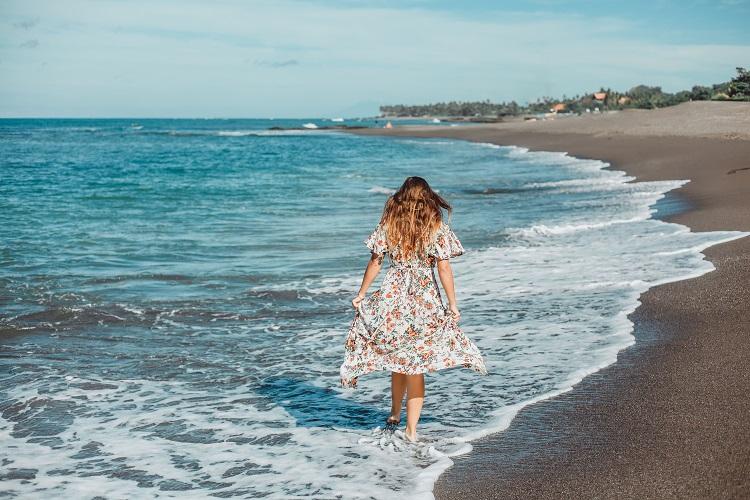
671, 418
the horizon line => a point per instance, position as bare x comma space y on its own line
180, 118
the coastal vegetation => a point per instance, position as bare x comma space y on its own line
640, 96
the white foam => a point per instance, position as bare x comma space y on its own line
594, 182
236, 133
267, 133
381, 190
544, 230
423, 142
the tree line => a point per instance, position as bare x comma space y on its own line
640, 96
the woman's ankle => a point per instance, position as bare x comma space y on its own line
411, 436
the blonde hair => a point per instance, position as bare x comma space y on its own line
412, 216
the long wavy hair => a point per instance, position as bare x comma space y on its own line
411, 217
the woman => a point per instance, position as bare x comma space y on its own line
404, 326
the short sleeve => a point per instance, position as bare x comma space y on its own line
446, 245
377, 242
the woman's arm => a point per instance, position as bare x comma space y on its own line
371, 272
446, 278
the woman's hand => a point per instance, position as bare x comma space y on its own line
357, 300
453, 308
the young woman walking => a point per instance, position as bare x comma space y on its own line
405, 327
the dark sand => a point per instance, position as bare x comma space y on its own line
670, 419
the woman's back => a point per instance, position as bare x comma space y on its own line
411, 220
441, 244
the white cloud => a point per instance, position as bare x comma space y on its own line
26, 24
276, 64
29, 44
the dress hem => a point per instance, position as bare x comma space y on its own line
351, 382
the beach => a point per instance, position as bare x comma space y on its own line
669, 418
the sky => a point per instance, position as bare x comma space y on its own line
329, 58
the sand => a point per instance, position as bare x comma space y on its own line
670, 419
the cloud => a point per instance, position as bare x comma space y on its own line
30, 44
27, 24
275, 64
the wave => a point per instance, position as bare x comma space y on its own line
381, 190
556, 158
265, 133
491, 190
543, 230
140, 277
58, 318
426, 142
588, 182
624, 185
230, 133
236, 133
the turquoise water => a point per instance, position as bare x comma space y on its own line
174, 296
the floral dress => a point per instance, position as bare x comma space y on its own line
404, 327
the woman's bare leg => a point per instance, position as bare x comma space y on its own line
414, 401
398, 390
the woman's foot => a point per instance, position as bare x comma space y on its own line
411, 437
392, 422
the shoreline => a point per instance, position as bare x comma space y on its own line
665, 419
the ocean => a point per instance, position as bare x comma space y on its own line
174, 299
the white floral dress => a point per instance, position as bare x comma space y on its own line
404, 326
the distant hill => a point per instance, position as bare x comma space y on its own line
641, 96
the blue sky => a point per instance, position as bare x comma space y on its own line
295, 58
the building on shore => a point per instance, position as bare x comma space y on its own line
559, 107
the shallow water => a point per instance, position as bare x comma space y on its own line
174, 296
